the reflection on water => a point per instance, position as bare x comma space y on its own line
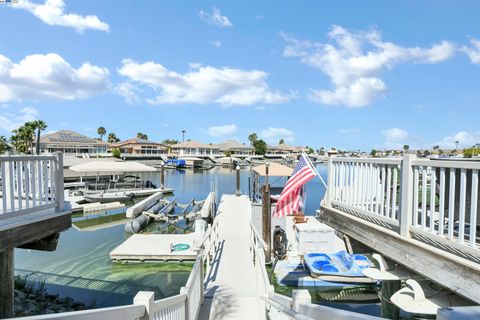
81, 266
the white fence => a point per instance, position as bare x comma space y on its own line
434, 199
31, 183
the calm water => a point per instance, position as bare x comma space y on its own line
81, 267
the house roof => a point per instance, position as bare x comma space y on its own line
138, 141
231, 145
192, 144
284, 147
67, 137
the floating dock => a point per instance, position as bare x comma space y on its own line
156, 247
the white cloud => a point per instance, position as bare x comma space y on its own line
395, 138
215, 18
217, 44
273, 135
52, 13
40, 76
465, 140
129, 91
354, 62
358, 94
226, 130
473, 52
10, 121
225, 86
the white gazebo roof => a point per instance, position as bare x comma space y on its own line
112, 166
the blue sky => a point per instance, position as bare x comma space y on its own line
347, 74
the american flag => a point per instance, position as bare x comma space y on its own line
289, 200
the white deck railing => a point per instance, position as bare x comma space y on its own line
31, 183
434, 199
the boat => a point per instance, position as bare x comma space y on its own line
106, 197
338, 267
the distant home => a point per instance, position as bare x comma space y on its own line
72, 143
235, 148
139, 147
194, 148
283, 148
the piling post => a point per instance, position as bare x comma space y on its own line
238, 181
266, 215
162, 177
7, 288
388, 309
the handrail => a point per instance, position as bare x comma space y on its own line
392, 161
258, 237
286, 311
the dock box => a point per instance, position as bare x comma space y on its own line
314, 237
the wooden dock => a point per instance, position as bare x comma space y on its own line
231, 284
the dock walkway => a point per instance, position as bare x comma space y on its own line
231, 286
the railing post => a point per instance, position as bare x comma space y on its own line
59, 189
406, 196
300, 297
145, 298
329, 191
184, 291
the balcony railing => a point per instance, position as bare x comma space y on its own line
31, 183
431, 199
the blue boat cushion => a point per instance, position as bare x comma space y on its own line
340, 263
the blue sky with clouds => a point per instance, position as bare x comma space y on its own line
349, 74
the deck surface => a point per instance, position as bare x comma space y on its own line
231, 287
155, 247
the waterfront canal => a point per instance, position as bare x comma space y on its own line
80, 268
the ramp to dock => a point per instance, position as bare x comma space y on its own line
231, 287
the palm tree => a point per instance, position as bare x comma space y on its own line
39, 126
281, 141
112, 137
456, 144
252, 138
101, 132
3, 144
23, 137
183, 135
142, 136
405, 148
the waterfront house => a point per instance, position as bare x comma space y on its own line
136, 147
72, 143
194, 149
235, 148
283, 148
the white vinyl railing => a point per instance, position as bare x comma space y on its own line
445, 199
437, 199
370, 185
31, 183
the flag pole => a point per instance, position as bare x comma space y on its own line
314, 169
